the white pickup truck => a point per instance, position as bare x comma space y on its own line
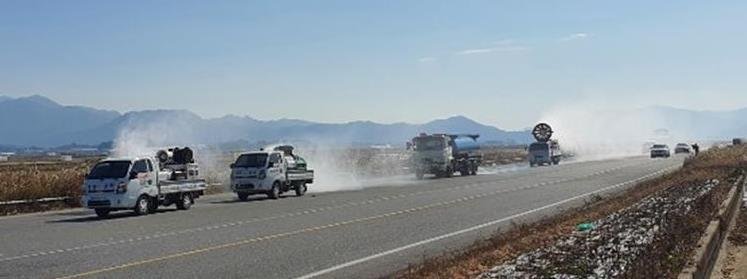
135, 184
270, 172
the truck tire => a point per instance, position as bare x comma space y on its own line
185, 202
243, 196
141, 205
449, 172
274, 193
102, 212
152, 205
301, 189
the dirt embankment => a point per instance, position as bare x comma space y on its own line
669, 236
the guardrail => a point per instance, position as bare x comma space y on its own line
710, 243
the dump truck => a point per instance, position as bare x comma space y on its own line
270, 172
444, 154
544, 151
142, 184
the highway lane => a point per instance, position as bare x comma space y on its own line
364, 233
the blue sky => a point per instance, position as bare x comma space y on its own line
499, 62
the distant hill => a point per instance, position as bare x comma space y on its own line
36, 120
39, 121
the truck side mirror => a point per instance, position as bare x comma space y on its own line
270, 165
133, 175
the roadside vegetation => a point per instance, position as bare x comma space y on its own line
667, 255
34, 180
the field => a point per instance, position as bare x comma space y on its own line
33, 180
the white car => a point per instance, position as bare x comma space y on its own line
660, 151
682, 148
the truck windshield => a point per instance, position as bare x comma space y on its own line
429, 143
538, 147
110, 169
251, 160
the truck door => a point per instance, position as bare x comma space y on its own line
277, 168
142, 178
152, 176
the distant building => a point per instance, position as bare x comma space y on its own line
66, 158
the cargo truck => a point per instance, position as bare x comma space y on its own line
444, 154
142, 184
271, 173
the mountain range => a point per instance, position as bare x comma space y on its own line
39, 121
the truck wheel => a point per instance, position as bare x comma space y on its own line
152, 205
301, 189
274, 193
449, 173
185, 202
243, 196
141, 205
102, 212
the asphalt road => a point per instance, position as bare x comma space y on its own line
348, 234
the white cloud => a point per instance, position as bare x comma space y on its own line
427, 59
576, 36
498, 46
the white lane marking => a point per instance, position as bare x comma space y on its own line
474, 228
309, 211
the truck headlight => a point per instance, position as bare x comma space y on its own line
262, 174
122, 188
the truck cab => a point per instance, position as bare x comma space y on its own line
544, 153
444, 154
269, 172
134, 183
432, 154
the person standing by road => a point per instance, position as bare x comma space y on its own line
696, 148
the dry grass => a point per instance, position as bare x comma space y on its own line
40, 180
723, 164
503, 156
738, 236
